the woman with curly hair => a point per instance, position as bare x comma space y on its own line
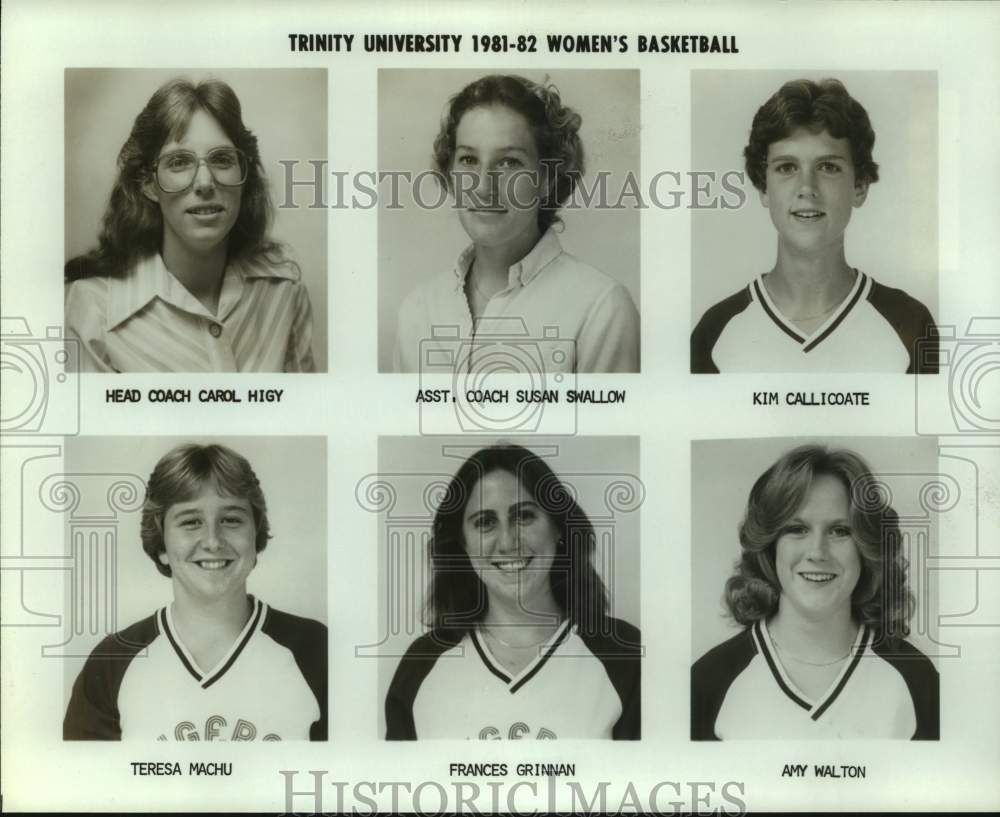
511, 155
523, 644
821, 589
184, 277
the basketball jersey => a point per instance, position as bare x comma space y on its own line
142, 683
449, 685
740, 689
874, 329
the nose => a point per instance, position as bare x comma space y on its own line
213, 538
486, 183
203, 178
807, 182
819, 546
508, 540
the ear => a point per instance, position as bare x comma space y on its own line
860, 193
763, 197
150, 190
162, 556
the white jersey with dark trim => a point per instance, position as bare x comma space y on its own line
741, 690
143, 683
449, 685
874, 329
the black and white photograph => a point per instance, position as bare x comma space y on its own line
511, 578
840, 174
805, 560
215, 607
180, 257
511, 235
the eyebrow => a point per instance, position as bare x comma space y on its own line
527, 503
788, 157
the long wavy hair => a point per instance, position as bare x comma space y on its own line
132, 227
816, 106
556, 128
881, 598
181, 474
457, 599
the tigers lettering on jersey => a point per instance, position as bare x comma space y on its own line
143, 683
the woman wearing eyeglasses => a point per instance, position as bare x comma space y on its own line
185, 277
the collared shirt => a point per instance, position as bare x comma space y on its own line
147, 321
556, 314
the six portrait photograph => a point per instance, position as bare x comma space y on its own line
509, 568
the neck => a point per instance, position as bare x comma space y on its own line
804, 285
201, 273
521, 625
817, 640
218, 618
491, 265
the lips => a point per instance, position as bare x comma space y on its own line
512, 566
213, 564
818, 577
206, 210
808, 215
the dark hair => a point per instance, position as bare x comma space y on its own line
555, 127
816, 106
457, 597
181, 474
881, 599
132, 228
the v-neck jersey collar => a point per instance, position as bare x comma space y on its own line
165, 622
545, 652
758, 291
765, 646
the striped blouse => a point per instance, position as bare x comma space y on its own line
147, 321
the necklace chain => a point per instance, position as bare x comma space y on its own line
809, 663
507, 644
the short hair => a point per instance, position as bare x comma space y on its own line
457, 597
132, 227
181, 474
556, 128
815, 106
881, 599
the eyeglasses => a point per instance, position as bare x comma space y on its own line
177, 171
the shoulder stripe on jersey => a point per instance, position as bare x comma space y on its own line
178, 649
858, 292
560, 638
763, 649
247, 635
858, 652
784, 327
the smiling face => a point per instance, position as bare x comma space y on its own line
199, 218
816, 559
210, 545
498, 183
511, 542
811, 190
